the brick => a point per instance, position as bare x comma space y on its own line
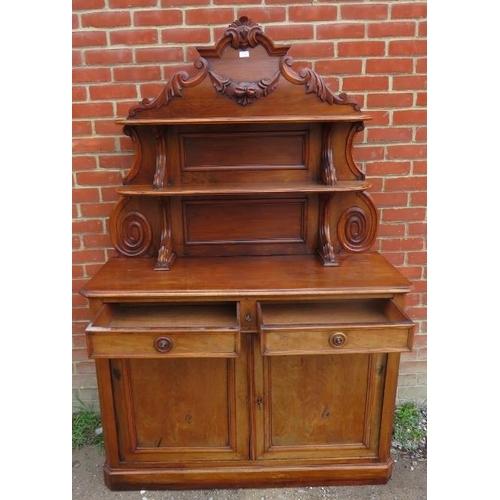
97, 241
418, 199
81, 75
166, 17
79, 93
403, 245
87, 226
389, 134
419, 167
82, 128
90, 109
411, 82
99, 178
89, 38
339, 66
410, 151
158, 55
85, 162
121, 161
76, 242
361, 48
93, 144
386, 168
76, 58
134, 37
422, 29
103, 127
389, 100
340, 31
421, 65
112, 91
407, 47
406, 183
123, 4
210, 16
85, 195
403, 214
390, 200
75, 21
358, 12
262, 15
416, 228
95, 210
421, 134
368, 83
88, 4
369, 153
417, 258
308, 13
108, 56
392, 29
136, 73
389, 66
85, 256
409, 10
295, 32
105, 19
409, 116
421, 99
185, 35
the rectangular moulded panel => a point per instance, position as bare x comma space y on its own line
244, 150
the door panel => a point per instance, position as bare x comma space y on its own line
172, 410
317, 406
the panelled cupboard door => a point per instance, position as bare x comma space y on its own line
181, 410
319, 406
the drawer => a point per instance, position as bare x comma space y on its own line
340, 326
158, 330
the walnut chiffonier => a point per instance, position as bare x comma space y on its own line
244, 334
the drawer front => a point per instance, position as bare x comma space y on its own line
164, 330
163, 344
338, 326
335, 340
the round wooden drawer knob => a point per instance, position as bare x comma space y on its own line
163, 344
337, 339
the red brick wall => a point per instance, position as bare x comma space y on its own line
124, 50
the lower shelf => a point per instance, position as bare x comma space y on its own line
258, 476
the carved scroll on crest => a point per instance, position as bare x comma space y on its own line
314, 84
173, 88
325, 250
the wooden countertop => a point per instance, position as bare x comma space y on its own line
231, 277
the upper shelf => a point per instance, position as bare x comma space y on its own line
351, 117
243, 188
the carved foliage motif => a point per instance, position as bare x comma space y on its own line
244, 93
325, 249
166, 255
328, 174
243, 33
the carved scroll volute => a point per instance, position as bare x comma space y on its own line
328, 174
130, 230
161, 159
357, 225
325, 250
166, 255
132, 133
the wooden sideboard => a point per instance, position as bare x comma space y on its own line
245, 335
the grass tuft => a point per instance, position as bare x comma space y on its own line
86, 426
410, 428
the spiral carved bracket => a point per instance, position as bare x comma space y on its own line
358, 225
130, 231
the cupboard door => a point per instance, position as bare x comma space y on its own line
178, 410
319, 406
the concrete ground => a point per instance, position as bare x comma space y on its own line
408, 482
